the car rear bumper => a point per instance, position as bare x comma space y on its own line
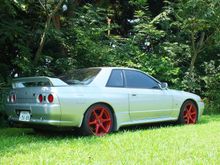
41, 114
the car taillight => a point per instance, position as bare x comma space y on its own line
13, 98
50, 98
40, 98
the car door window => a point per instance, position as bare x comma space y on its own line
136, 79
116, 79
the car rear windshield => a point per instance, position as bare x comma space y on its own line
80, 76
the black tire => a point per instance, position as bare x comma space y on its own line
98, 121
188, 113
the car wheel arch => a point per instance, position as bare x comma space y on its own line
190, 99
111, 109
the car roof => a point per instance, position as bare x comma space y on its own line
110, 68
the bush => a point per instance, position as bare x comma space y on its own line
212, 81
3, 95
212, 100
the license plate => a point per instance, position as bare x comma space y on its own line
24, 116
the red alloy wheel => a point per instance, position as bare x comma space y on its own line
100, 121
190, 114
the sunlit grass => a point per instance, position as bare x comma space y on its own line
193, 144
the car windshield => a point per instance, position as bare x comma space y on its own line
80, 76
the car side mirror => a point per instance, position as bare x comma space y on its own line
164, 85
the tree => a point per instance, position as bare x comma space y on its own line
198, 21
50, 14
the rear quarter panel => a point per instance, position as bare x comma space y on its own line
75, 100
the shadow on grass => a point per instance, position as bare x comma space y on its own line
204, 120
148, 126
45, 134
74, 133
16, 140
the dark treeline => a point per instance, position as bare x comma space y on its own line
174, 41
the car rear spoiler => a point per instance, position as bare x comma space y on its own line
38, 81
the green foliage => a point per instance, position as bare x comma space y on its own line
198, 15
138, 2
157, 56
3, 97
212, 81
162, 45
88, 46
198, 24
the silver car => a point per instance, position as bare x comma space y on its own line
98, 101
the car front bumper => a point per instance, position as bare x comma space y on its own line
201, 106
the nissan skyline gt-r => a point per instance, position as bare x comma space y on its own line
99, 101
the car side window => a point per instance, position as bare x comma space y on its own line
136, 79
116, 79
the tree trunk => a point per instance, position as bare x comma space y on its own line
42, 40
109, 25
57, 25
193, 54
193, 60
43, 36
56, 22
195, 50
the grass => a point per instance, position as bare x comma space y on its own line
192, 144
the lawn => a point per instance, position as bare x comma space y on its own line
160, 144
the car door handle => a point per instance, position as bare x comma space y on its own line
133, 94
